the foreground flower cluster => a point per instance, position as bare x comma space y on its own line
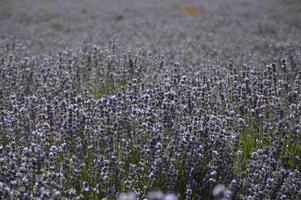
103, 122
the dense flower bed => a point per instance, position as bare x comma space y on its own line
173, 100
93, 123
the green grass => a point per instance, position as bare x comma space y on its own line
6, 8
290, 153
110, 86
251, 138
106, 90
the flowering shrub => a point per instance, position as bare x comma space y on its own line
183, 114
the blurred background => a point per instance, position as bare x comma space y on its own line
181, 30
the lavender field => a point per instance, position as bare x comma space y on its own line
150, 99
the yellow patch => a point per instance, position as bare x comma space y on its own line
190, 9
